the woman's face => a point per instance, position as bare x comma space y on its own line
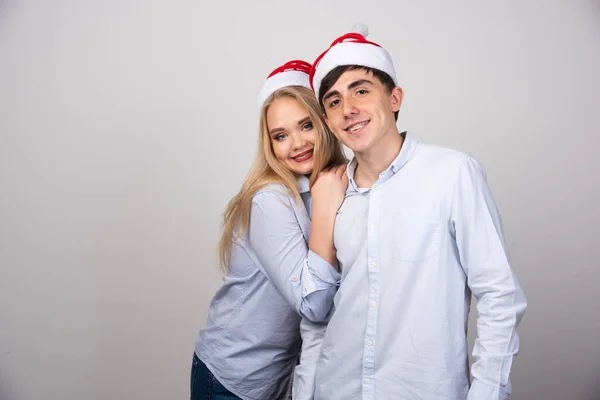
292, 135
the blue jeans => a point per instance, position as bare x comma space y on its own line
204, 385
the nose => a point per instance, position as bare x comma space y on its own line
348, 107
298, 141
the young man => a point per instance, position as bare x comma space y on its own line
417, 234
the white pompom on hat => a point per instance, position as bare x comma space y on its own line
292, 73
351, 49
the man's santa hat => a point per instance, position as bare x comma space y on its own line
351, 49
292, 73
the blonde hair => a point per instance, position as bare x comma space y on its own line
267, 169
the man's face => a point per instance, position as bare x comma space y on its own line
359, 109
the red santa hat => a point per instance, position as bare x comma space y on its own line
292, 73
351, 49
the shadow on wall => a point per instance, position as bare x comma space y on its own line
5, 390
7, 8
592, 389
3, 394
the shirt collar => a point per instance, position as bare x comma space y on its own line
303, 184
406, 152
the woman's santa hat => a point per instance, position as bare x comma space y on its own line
351, 49
292, 73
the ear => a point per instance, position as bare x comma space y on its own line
397, 97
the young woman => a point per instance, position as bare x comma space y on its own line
251, 342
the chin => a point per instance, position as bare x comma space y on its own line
357, 146
300, 170
304, 171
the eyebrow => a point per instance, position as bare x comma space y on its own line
330, 94
359, 82
350, 87
301, 122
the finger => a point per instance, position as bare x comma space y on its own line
345, 180
323, 172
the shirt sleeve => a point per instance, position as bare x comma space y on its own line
276, 238
304, 374
500, 300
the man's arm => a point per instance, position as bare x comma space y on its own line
304, 374
500, 301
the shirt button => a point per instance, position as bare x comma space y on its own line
294, 279
373, 264
372, 304
367, 380
369, 342
372, 226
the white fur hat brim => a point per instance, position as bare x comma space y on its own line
366, 54
281, 80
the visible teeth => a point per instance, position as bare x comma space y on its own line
357, 126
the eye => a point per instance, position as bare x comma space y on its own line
280, 137
362, 91
307, 126
334, 103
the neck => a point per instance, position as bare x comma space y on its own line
377, 159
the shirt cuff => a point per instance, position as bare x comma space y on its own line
318, 274
482, 391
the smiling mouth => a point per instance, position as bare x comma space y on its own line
304, 156
357, 127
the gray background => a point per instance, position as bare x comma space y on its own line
126, 126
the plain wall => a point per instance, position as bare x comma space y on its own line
126, 126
